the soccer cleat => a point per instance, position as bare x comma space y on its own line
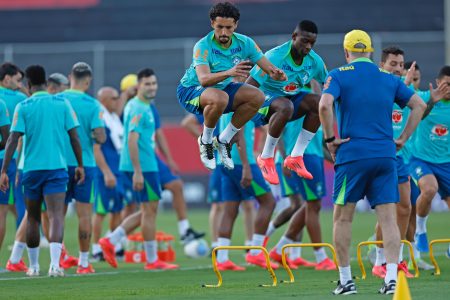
229, 266
88, 270
259, 260
160, 265
379, 271
403, 267
301, 262
33, 271
421, 264
224, 150
55, 271
109, 252
190, 235
279, 259
267, 166
207, 154
297, 165
326, 265
421, 242
18, 267
388, 288
345, 289
66, 261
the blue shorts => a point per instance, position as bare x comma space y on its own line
151, 190
262, 116
414, 192
8, 197
402, 170
215, 185
231, 184
19, 199
165, 174
374, 178
189, 97
127, 188
420, 168
38, 184
107, 200
84, 192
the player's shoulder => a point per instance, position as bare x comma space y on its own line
315, 57
243, 38
205, 41
279, 51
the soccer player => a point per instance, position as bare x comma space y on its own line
285, 101
138, 160
57, 83
91, 131
207, 88
364, 153
45, 120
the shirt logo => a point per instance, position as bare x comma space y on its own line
397, 116
236, 60
440, 130
291, 87
419, 171
136, 119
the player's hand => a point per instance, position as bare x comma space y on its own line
333, 146
399, 143
286, 172
110, 180
247, 177
138, 181
439, 92
173, 166
277, 74
4, 182
79, 175
242, 69
410, 74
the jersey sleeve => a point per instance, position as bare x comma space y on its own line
70, 117
4, 114
201, 53
259, 75
97, 118
156, 117
332, 86
254, 52
322, 72
18, 124
403, 93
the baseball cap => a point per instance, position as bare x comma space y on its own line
81, 68
128, 81
358, 41
58, 78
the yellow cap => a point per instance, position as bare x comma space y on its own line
128, 81
358, 41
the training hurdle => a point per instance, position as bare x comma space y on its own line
286, 266
361, 265
433, 259
219, 276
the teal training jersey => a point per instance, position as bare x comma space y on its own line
4, 120
298, 76
249, 136
90, 116
432, 140
209, 52
138, 117
44, 120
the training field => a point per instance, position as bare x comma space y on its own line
130, 281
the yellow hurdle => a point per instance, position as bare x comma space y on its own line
361, 265
286, 266
219, 276
433, 260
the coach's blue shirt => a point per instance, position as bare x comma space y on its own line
364, 97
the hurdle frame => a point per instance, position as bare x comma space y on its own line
437, 271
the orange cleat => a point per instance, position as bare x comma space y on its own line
301, 262
88, 270
297, 165
229, 266
278, 258
379, 271
267, 166
326, 265
109, 252
160, 265
404, 267
260, 261
68, 262
18, 267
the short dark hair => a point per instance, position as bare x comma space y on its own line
307, 26
35, 75
224, 10
81, 70
445, 71
10, 69
394, 50
144, 73
408, 65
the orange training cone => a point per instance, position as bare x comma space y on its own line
402, 290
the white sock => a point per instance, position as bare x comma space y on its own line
118, 247
380, 257
295, 252
248, 242
400, 255
416, 252
258, 240
222, 255
320, 255
207, 135
17, 252
96, 249
183, 226
270, 229
227, 134
302, 142
33, 256
421, 224
391, 273
83, 259
214, 244
55, 254
269, 147
345, 274
116, 236
283, 241
150, 251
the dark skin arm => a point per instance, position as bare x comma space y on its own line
76, 147
99, 135
4, 131
11, 146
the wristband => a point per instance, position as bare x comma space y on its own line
330, 140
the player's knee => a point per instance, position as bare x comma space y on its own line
284, 108
314, 206
258, 99
404, 208
429, 191
312, 101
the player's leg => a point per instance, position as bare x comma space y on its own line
15, 262
403, 214
3, 213
55, 210
97, 223
216, 209
33, 234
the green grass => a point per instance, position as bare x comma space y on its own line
130, 281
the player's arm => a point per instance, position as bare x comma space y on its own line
133, 149
206, 78
191, 124
4, 132
19, 157
164, 147
99, 135
417, 107
241, 144
11, 146
270, 69
110, 179
76, 147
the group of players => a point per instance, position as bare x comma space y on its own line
232, 89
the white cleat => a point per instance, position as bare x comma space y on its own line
33, 271
55, 272
207, 154
224, 150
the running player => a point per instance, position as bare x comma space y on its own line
207, 88
44, 120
